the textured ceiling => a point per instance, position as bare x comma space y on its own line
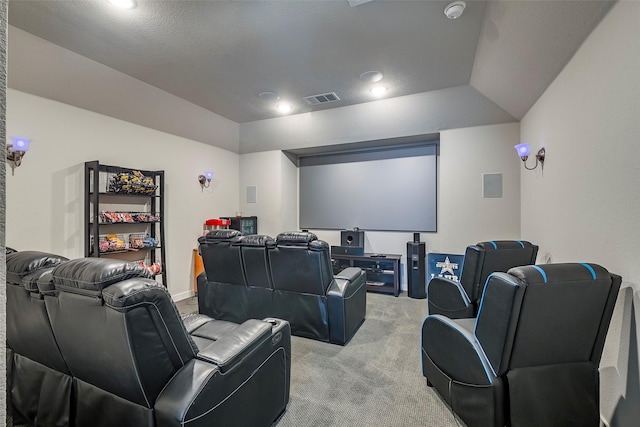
220, 55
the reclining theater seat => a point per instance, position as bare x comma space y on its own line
531, 356
225, 294
458, 300
135, 364
39, 381
255, 259
305, 291
289, 278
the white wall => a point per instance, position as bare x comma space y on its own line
45, 197
276, 180
289, 203
418, 114
586, 206
464, 217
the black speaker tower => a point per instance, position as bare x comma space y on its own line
416, 270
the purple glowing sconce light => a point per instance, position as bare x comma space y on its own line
16, 150
205, 180
524, 150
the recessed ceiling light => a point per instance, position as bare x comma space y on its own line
269, 96
455, 9
371, 76
379, 90
124, 4
284, 108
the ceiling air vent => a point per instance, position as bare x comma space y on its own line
323, 98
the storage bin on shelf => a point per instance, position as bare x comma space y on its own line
108, 217
131, 182
112, 243
141, 241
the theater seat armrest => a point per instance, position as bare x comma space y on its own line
344, 285
448, 298
349, 273
453, 348
181, 398
237, 344
347, 304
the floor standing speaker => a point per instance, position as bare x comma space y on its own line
416, 270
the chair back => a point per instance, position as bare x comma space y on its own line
566, 312
543, 328
301, 275
253, 250
493, 256
301, 263
220, 253
109, 314
29, 330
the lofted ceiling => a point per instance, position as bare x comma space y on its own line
220, 55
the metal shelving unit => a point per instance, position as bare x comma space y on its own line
98, 197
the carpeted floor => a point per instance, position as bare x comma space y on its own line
375, 380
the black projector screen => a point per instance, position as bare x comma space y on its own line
391, 189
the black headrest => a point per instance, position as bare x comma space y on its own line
131, 292
256, 240
220, 235
89, 276
504, 244
564, 272
19, 264
45, 283
31, 280
295, 238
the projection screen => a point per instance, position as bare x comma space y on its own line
391, 189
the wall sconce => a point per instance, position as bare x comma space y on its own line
524, 150
16, 150
205, 180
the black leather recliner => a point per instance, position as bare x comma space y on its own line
135, 362
38, 378
531, 356
290, 278
224, 296
458, 300
318, 305
255, 260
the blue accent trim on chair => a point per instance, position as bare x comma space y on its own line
593, 272
494, 244
521, 244
544, 275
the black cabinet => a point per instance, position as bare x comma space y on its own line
245, 224
124, 215
383, 272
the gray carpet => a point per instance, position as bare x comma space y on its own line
375, 380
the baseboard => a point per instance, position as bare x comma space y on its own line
182, 295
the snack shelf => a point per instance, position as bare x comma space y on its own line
119, 194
